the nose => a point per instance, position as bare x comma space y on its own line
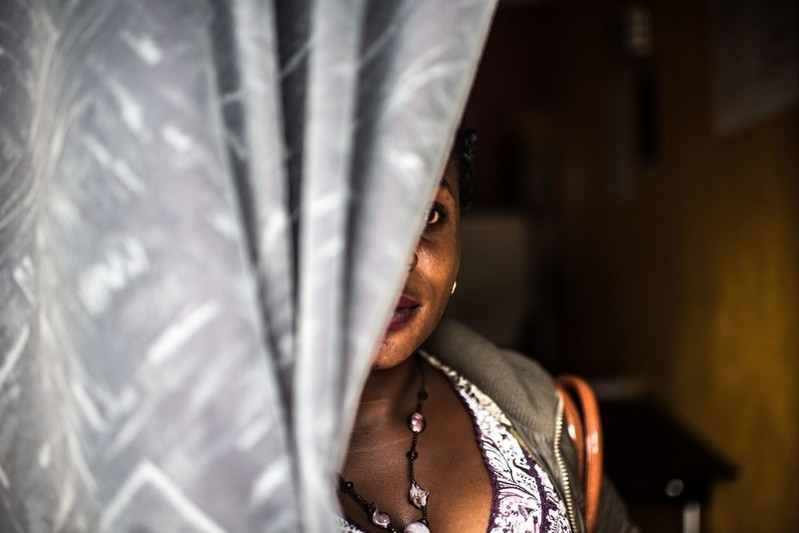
413, 261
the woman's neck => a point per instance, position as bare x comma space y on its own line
388, 397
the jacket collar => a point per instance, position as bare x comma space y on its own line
523, 390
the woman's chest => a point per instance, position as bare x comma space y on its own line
478, 475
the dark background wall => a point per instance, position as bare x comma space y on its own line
649, 214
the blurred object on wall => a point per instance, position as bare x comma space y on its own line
635, 104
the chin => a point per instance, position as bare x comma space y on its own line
391, 354
400, 344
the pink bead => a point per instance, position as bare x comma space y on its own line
416, 422
380, 519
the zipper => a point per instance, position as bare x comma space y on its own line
534, 456
564, 474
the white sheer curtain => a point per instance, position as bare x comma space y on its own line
206, 210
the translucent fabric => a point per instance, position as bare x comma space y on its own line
206, 211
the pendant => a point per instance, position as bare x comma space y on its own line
416, 527
380, 519
418, 496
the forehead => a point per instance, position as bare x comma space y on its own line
449, 181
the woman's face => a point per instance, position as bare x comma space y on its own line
431, 273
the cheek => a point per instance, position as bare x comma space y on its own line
453, 252
443, 261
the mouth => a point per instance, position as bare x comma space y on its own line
406, 308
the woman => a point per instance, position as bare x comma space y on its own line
458, 435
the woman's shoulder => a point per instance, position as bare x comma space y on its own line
470, 353
517, 383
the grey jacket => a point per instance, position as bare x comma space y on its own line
526, 393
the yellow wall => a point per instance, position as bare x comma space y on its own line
733, 365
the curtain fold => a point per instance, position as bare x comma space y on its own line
206, 210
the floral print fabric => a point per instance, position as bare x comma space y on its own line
524, 498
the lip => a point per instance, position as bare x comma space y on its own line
405, 310
406, 301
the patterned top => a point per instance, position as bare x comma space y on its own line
524, 499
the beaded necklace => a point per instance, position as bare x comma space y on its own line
417, 496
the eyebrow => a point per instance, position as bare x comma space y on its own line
447, 188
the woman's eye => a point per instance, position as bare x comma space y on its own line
434, 216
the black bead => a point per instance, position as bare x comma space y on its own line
412, 455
